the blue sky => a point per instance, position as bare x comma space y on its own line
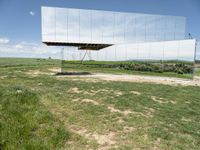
20, 25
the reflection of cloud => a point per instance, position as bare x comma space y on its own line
4, 40
62, 24
32, 13
18, 46
182, 50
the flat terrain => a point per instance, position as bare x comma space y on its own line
197, 71
42, 110
150, 68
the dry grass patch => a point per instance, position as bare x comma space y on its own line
90, 101
18, 71
35, 73
118, 93
74, 90
162, 100
94, 92
3, 77
77, 91
76, 100
105, 141
135, 93
186, 119
146, 114
19, 91
40, 84
55, 70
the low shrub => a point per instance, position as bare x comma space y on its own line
179, 68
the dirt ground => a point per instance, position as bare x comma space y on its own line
133, 78
137, 78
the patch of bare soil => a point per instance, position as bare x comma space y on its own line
106, 141
136, 78
94, 92
186, 119
162, 100
135, 93
74, 90
76, 100
118, 93
147, 113
113, 110
40, 84
77, 91
19, 91
55, 70
120, 120
157, 144
3, 77
90, 101
35, 73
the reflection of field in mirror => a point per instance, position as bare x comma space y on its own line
197, 69
179, 69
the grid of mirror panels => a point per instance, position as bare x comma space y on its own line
67, 25
179, 50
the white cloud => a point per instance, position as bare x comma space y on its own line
18, 46
4, 40
29, 50
32, 13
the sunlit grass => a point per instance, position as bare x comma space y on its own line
44, 111
26, 123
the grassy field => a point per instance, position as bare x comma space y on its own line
39, 110
197, 69
197, 72
27, 62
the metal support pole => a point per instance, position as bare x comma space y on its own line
163, 56
195, 52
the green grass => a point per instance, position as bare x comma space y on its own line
21, 62
44, 111
197, 71
25, 123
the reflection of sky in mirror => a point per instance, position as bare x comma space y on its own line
93, 26
127, 31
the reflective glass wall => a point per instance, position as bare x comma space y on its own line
134, 37
172, 58
181, 50
106, 27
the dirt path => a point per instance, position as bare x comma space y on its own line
137, 78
